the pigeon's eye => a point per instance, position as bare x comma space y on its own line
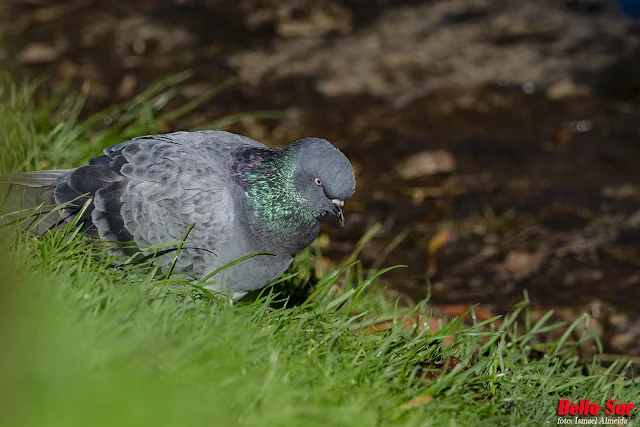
317, 181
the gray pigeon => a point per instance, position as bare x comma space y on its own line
242, 196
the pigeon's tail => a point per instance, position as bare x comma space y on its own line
29, 198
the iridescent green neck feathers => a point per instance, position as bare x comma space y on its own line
267, 178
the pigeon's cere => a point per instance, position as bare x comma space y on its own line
240, 196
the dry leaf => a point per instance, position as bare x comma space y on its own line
427, 163
457, 310
417, 402
520, 265
442, 237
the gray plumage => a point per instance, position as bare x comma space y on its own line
242, 196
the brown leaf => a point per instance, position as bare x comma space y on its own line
415, 323
42, 53
520, 265
442, 237
457, 310
417, 402
427, 163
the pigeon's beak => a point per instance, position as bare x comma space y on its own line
338, 210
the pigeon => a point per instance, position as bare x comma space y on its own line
230, 195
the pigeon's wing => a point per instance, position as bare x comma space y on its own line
152, 189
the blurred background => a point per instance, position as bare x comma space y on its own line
496, 142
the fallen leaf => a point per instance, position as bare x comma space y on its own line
520, 265
442, 237
42, 53
457, 310
427, 163
417, 402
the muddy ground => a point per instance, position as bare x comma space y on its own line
501, 139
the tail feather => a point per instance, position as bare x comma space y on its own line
29, 197
38, 179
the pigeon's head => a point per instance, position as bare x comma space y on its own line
323, 176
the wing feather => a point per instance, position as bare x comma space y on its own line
174, 181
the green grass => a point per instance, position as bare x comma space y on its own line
86, 343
